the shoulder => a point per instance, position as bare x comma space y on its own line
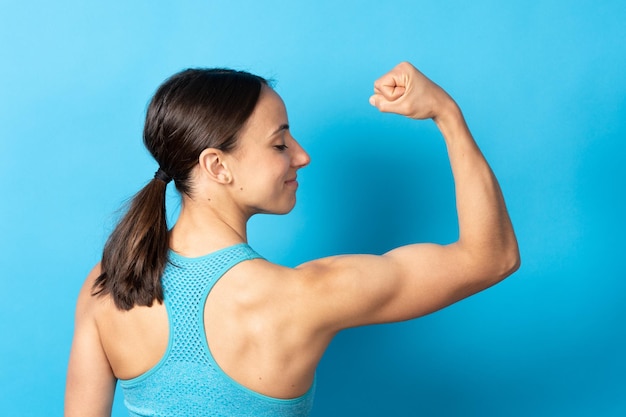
337, 292
85, 295
318, 277
279, 278
88, 304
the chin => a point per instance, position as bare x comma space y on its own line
282, 207
281, 210
284, 211
277, 211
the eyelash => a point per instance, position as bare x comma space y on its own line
281, 148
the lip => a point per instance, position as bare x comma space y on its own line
292, 182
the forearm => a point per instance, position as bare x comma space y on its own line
485, 229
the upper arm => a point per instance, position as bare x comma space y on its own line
90, 382
405, 283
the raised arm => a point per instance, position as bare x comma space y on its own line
414, 280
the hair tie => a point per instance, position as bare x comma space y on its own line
162, 175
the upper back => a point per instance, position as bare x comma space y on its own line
222, 327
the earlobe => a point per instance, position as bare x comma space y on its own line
213, 165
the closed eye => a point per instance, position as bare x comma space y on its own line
281, 148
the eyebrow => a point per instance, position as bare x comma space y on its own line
282, 127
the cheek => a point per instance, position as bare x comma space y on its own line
261, 176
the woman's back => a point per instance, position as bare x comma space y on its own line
248, 325
253, 343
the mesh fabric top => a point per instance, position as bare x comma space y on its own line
187, 381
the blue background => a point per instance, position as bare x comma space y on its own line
542, 84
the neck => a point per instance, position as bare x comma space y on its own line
203, 229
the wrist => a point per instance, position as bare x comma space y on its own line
448, 113
451, 123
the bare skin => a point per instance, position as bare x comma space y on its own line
276, 322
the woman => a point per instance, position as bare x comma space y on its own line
192, 321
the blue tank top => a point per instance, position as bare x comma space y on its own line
187, 381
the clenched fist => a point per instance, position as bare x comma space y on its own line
406, 91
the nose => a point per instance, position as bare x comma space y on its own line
299, 157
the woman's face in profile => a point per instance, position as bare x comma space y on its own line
265, 163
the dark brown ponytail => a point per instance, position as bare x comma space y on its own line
193, 110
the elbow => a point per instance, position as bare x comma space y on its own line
491, 266
512, 262
506, 262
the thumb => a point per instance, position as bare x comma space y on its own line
378, 101
375, 100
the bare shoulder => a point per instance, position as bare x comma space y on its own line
93, 310
260, 285
316, 274
329, 294
88, 304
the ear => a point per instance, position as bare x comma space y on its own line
213, 164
